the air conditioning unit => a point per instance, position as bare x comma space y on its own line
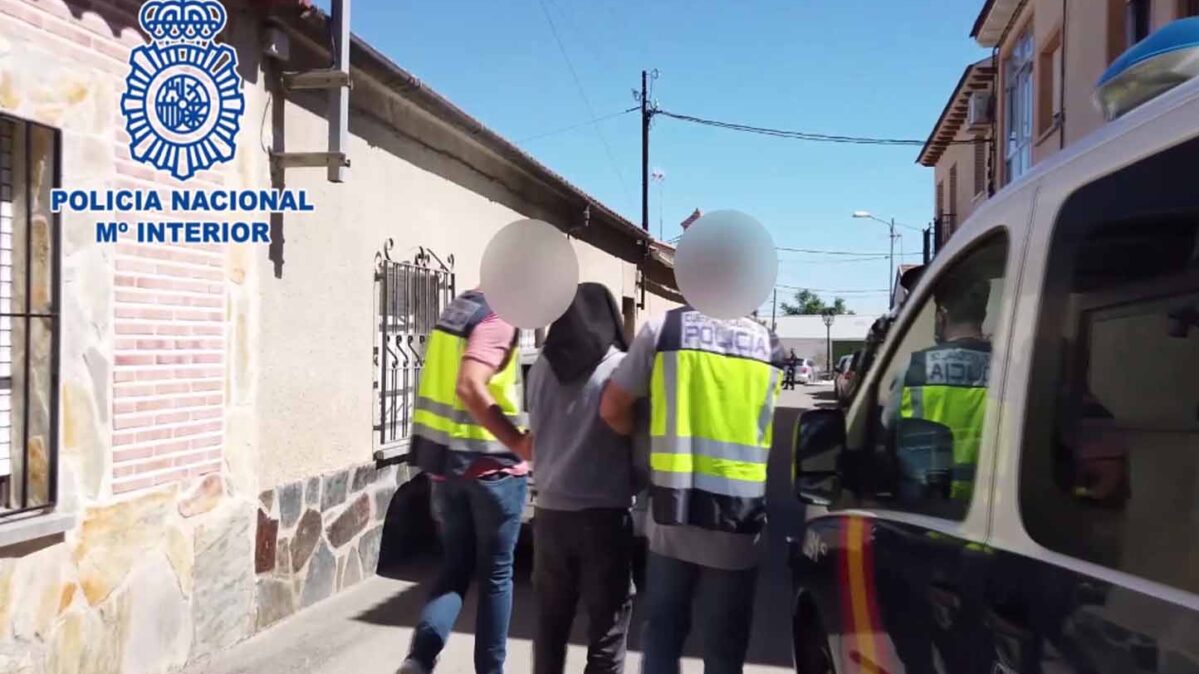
979, 110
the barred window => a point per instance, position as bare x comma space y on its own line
411, 297
29, 326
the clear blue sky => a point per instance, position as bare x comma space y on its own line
848, 67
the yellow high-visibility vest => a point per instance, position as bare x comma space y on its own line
947, 384
712, 397
446, 439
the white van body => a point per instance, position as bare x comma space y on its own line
1132, 575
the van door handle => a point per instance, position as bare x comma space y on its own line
1014, 643
945, 600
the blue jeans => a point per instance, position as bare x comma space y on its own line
725, 608
480, 523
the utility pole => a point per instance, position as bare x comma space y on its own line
645, 115
891, 283
773, 304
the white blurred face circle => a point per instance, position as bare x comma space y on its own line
726, 264
529, 273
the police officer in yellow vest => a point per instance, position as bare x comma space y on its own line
947, 385
467, 435
712, 387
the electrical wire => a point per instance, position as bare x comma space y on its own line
586, 101
843, 260
580, 125
782, 286
804, 135
831, 252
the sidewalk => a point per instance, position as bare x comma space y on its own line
366, 629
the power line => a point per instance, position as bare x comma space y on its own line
843, 260
580, 125
804, 135
812, 251
782, 286
586, 101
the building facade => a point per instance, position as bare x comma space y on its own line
1032, 96
193, 433
810, 338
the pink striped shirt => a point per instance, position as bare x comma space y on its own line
490, 343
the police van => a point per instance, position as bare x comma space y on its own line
1015, 487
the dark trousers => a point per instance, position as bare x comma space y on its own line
588, 553
725, 611
480, 522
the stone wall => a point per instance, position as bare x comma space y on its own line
173, 576
144, 584
318, 536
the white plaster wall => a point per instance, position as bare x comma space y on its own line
312, 347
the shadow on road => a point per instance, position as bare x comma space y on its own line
825, 397
771, 641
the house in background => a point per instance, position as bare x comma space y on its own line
1033, 96
959, 150
810, 338
906, 277
193, 432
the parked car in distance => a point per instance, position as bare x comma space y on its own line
846, 382
805, 371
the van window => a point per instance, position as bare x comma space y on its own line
932, 397
1110, 466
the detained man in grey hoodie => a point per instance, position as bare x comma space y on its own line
582, 529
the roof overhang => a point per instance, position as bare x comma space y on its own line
993, 21
978, 76
532, 188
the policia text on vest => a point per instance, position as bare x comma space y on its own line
712, 396
947, 386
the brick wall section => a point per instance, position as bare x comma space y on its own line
169, 301
169, 364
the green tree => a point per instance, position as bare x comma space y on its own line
808, 303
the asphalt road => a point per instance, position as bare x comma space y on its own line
367, 628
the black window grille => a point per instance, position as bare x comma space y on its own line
412, 296
30, 162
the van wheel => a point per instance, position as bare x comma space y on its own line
812, 653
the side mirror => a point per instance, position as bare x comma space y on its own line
819, 441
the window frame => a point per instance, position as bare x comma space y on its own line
980, 167
1088, 207
1051, 86
862, 421
953, 197
34, 521
1138, 21
1018, 74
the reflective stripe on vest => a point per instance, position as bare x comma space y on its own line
712, 396
446, 438
948, 385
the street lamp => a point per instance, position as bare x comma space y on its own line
828, 317
891, 225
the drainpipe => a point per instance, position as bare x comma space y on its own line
1061, 131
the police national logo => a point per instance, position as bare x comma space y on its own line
183, 102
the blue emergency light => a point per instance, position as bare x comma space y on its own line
1150, 68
